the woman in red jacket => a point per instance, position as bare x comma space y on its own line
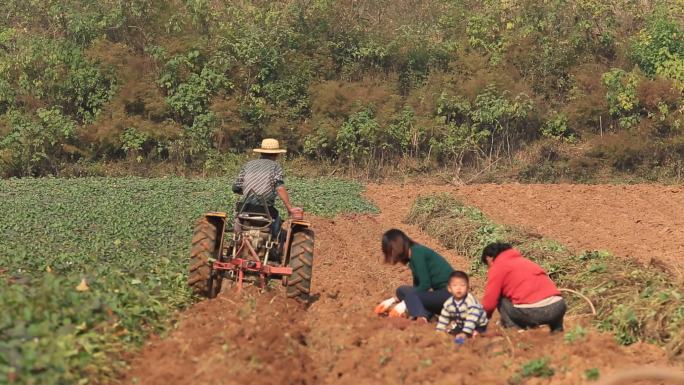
525, 296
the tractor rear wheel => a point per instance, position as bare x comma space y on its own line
201, 278
301, 262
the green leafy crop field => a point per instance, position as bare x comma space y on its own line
129, 239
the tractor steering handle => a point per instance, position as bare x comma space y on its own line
296, 213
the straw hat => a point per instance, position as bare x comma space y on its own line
270, 146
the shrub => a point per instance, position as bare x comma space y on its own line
622, 97
401, 135
320, 144
659, 45
132, 141
490, 125
34, 144
192, 97
51, 72
556, 127
356, 139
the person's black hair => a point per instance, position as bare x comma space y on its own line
458, 274
269, 156
493, 250
396, 246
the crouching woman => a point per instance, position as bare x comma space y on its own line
521, 290
430, 276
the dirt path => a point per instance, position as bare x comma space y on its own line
265, 339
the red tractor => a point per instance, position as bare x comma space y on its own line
249, 252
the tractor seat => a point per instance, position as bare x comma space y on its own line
255, 218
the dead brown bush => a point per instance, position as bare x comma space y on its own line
337, 100
653, 92
587, 100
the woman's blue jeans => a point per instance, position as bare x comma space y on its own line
422, 303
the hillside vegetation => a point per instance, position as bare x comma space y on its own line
558, 89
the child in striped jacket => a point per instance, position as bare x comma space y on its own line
462, 314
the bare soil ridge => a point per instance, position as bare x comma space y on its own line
645, 222
267, 339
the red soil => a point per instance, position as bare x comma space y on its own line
266, 339
644, 222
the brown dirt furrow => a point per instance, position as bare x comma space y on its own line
645, 222
266, 339
232, 339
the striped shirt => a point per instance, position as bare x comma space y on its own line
465, 315
261, 177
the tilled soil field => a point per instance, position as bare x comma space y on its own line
644, 222
262, 338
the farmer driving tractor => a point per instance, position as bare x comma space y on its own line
261, 181
260, 246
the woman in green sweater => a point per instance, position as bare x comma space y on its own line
430, 276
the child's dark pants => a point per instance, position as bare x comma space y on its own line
424, 303
479, 329
524, 318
